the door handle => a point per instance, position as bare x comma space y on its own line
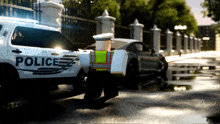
56, 54
16, 51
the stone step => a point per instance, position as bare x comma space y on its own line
181, 69
192, 64
180, 82
189, 75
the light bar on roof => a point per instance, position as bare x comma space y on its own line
18, 19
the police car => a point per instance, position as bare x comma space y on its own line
32, 51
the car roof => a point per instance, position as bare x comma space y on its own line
24, 22
124, 40
117, 43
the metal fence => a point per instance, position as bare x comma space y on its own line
122, 32
182, 41
78, 30
20, 8
163, 42
148, 38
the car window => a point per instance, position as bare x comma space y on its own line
40, 38
0, 27
132, 48
141, 47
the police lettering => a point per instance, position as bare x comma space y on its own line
28, 61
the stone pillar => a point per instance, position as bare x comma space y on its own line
191, 44
195, 44
199, 44
136, 30
178, 42
169, 39
185, 43
51, 14
105, 23
156, 38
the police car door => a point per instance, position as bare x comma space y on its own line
31, 59
147, 60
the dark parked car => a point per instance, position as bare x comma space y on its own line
141, 59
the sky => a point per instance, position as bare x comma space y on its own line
195, 9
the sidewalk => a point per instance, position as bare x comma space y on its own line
192, 55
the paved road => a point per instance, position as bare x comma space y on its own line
147, 105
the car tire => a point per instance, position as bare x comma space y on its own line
162, 82
163, 66
131, 73
79, 81
8, 80
132, 68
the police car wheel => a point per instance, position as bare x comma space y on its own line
8, 80
80, 80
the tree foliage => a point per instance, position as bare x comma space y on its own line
110, 5
212, 9
164, 13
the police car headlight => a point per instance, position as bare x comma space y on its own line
58, 49
1, 41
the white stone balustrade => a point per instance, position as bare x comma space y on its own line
51, 14
191, 43
156, 38
169, 38
105, 24
195, 44
136, 30
185, 43
178, 42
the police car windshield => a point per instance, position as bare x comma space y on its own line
41, 38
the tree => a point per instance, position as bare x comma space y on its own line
175, 12
90, 10
212, 11
164, 13
110, 5
132, 9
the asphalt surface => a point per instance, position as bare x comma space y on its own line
198, 104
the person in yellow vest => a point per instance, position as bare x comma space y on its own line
100, 65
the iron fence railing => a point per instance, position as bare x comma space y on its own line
163, 42
148, 38
122, 32
22, 9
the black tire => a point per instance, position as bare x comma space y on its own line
79, 81
132, 68
131, 74
8, 82
163, 66
162, 82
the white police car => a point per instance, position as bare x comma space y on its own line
32, 51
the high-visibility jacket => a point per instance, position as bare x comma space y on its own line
101, 60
